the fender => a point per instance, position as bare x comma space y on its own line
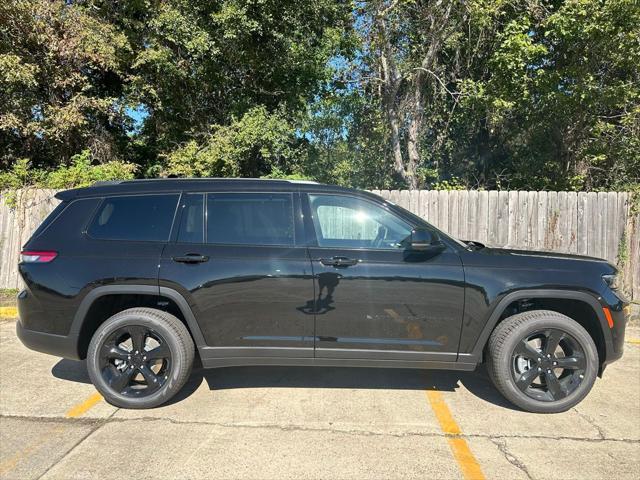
591, 300
150, 290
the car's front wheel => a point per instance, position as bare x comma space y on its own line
140, 358
542, 361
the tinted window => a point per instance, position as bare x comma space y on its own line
144, 217
347, 222
250, 218
192, 219
50, 218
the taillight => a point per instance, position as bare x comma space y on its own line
30, 256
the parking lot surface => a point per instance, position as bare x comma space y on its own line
272, 422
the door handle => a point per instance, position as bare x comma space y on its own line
191, 258
338, 261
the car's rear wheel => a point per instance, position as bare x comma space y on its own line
542, 361
140, 358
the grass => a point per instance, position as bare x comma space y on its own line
8, 297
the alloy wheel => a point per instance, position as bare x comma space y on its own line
135, 361
548, 365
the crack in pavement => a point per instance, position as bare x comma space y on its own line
590, 421
266, 426
98, 423
501, 444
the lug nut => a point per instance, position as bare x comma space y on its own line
555, 363
539, 359
539, 369
548, 355
548, 371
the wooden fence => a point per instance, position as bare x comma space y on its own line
581, 223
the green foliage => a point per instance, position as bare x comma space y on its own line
80, 172
251, 146
529, 94
454, 183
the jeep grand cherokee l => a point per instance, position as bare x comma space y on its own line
139, 276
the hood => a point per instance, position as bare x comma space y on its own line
538, 254
536, 260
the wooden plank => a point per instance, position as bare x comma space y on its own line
443, 210
601, 228
424, 204
622, 215
532, 220
592, 224
522, 216
521, 219
572, 222
503, 218
582, 224
512, 238
453, 213
472, 216
463, 215
563, 222
414, 202
541, 220
404, 200
492, 223
551, 230
386, 194
394, 196
483, 216
433, 207
613, 239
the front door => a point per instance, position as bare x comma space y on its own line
373, 299
235, 258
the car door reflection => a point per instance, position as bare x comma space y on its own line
327, 283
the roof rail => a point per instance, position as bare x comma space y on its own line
106, 182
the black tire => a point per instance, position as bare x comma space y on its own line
524, 373
140, 382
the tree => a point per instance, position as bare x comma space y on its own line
61, 77
73, 72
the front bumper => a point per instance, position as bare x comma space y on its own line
620, 313
58, 345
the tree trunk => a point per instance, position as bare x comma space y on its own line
413, 134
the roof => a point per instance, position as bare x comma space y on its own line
122, 187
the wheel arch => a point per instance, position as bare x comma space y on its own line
93, 311
556, 300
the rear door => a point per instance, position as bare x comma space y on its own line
235, 256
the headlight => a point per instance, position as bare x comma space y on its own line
613, 281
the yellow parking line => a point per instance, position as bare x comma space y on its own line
81, 408
467, 462
8, 312
633, 341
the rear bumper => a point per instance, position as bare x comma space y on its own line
58, 345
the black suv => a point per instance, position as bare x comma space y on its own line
136, 276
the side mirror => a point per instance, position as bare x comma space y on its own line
423, 239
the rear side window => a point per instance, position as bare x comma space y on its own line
250, 218
191, 228
50, 218
142, 218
